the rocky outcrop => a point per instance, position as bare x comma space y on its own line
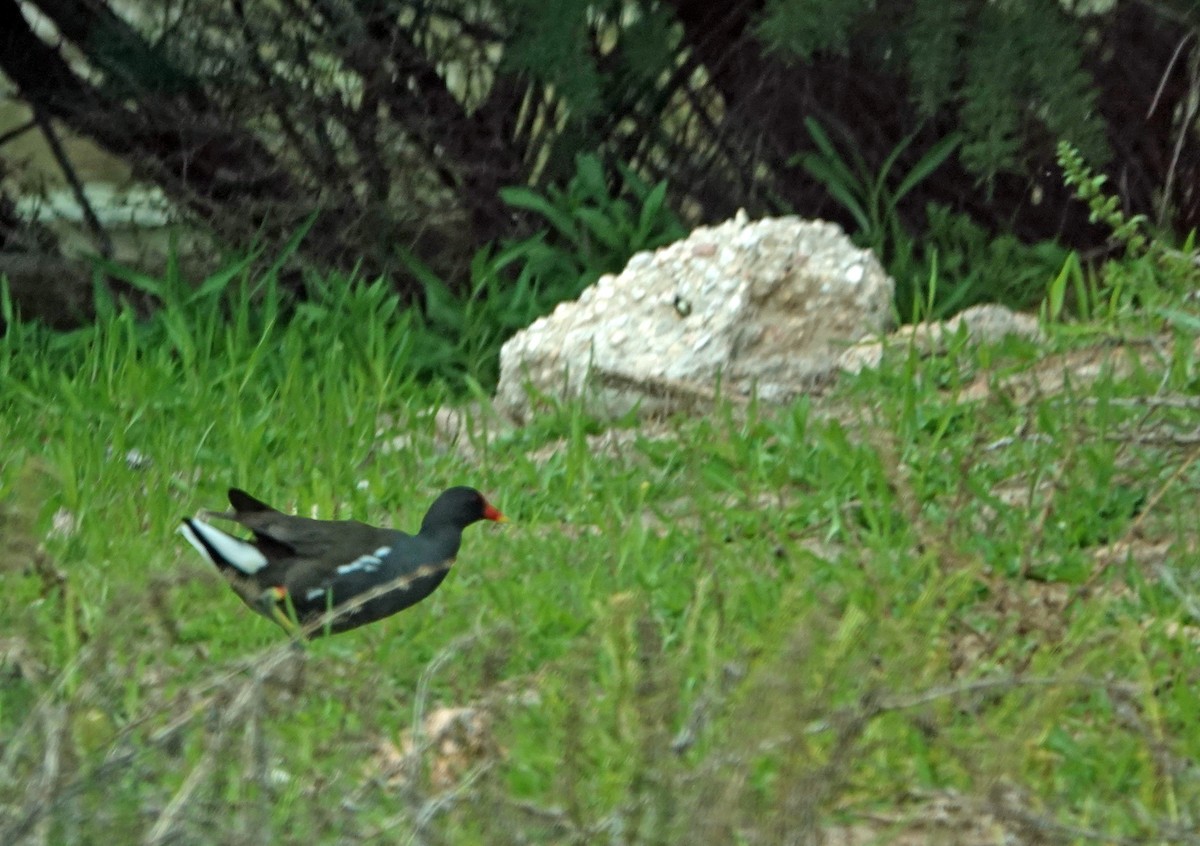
761, 307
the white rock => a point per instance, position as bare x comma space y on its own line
984, 324
765, 305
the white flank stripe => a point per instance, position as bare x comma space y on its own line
314, 593
236, 553
365, 563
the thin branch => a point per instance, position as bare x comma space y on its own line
1191, 106
997, 683
103, 242
1162, 80
17, 132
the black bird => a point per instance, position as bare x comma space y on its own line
296, 570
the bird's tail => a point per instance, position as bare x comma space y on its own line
225, 551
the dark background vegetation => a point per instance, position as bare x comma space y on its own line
401, 123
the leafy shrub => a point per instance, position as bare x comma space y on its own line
591, 230
1146, 268
968, 265
958, 264
597, 228
869, 195
1012, 73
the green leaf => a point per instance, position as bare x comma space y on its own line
518, 250
833, 180
291, 246
829, 153
648, 217
102, 298
524, 198
633, 182
143, 282
589, 178
6, 303
930, 162
1181, 319
216, 284
442, 307
603, 229
418, 268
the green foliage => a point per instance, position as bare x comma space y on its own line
1024, 71
510, 288
868, 195
648, 40
1129, 232
597, 228
762, 624
548, 42
1147, 271
957, 263
1012, 71
591, 230
934, 40
803, 27
970, 265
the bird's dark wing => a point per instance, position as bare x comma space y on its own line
243, 503
402, 561
324, 540
282, 535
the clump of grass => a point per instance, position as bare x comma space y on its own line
1145, 272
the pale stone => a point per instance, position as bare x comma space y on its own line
765, 305
984, 324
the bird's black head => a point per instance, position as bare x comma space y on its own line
460, 507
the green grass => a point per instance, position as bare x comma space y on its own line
746, 627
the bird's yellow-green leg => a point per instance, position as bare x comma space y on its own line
276, 604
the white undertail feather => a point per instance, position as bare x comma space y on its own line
236, 553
